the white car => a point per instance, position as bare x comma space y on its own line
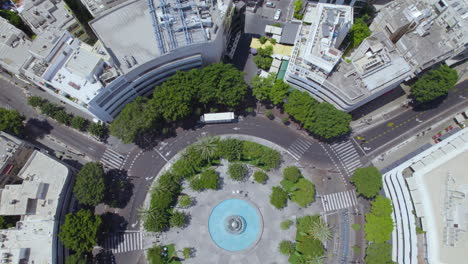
270, 4
277, 14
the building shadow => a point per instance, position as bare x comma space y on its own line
37, 129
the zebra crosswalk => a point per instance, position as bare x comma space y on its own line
298, 148
348, 155
339, 200
123, 242
112, 159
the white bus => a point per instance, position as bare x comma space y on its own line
214, 118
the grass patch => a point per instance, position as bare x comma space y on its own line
356, 227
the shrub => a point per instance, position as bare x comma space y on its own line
35, 101
237, 171
49, 109
185, 201
79, 123
379, 223
269, 115
62, 117
273, 41
231, 149
286, 247
262, 39
286, 224
379, 253
356, 227
187, 252
260, 177
206, 180
285, 120
178, 219
292, 174
99, 130
278, 197
260, 156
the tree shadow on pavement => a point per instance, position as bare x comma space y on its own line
105, 257
112, 223
36, 129
119, 188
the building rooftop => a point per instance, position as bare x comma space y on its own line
328, 28
41, 14
8, 146
14, 45
38, 195
69, 65
134, 35
439, 190
97, 7
416, 27
38, 201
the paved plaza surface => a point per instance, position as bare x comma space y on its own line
197, 236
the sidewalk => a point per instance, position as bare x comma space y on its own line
396, 106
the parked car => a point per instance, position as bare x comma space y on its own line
277, 14
270, 4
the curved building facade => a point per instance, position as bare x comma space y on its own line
149, 41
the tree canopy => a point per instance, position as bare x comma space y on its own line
137, 117
368, 181
11, 121
90, 188
79, 232
269, 89
278, 197
359, 31
379, 253
434, 84
321, 119
76, 258
379, 223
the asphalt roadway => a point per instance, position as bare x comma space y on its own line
408, 123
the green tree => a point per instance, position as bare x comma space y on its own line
99, 130
76, 258
263, 62
434, 84
154, 220
279, 92
320, 231
273, 41
286, 247
174, 98
11, 121
278, 197
79, 123
379, 223
303, 192
379, 253
300, 105
15, 20
184, 201
207, 180
260, 177
359, 31
8, 221
328, 122
222, 84
286, 224
231, 149
63, 117
297, 9
269, 89
266, 51
79, 231
187, 252
208, 147
156, 255
35, 101
49, 109
262, 39
292, 174
137, 117
89, 187
178, 219
237, 171
368, 181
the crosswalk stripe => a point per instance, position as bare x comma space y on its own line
305, 142
341, 146
343, 200
353, 163
348, 202
354, 156
348, 154
111, 157
296, 149
345, 149
299, 147
339, 200
354, 167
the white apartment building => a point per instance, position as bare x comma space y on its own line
68, 68
96, 7
39, 201
406, 39
14, 45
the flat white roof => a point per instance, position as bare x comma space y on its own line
218, 116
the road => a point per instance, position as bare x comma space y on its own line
407, 123
38, 126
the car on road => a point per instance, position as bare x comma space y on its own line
277, 14
270, 4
